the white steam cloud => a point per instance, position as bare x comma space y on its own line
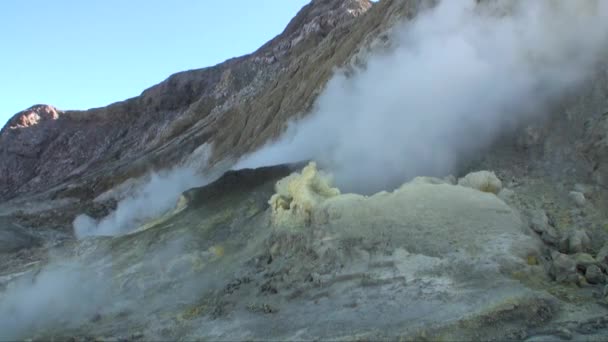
460, 74
150, 197
64, 294
150, 200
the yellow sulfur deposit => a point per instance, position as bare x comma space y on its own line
485, 181
297, 195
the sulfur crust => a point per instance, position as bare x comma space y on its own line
426, 215
298, 194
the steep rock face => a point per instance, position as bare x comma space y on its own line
166, 122
22, 143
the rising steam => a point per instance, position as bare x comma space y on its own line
151, 199
459, 75
153, 195
62, 294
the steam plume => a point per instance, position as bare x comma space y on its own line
460, 74
154, 195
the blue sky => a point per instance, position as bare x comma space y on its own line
78, 54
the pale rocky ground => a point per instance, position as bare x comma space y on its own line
430, 260
520, 254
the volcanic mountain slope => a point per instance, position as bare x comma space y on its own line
237, 105
279, 253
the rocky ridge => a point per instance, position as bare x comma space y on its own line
170, 120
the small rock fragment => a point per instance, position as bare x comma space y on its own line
578, 198
594, 275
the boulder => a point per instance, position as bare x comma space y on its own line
584, 260
576, 241
602, 254
538, 220
550, 236
563, 268
578, 198
594, 275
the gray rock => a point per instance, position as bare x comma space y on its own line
578, 198
538, 220
584, 260
550, 236
594, 275
602, 255
563, 268
577, 241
